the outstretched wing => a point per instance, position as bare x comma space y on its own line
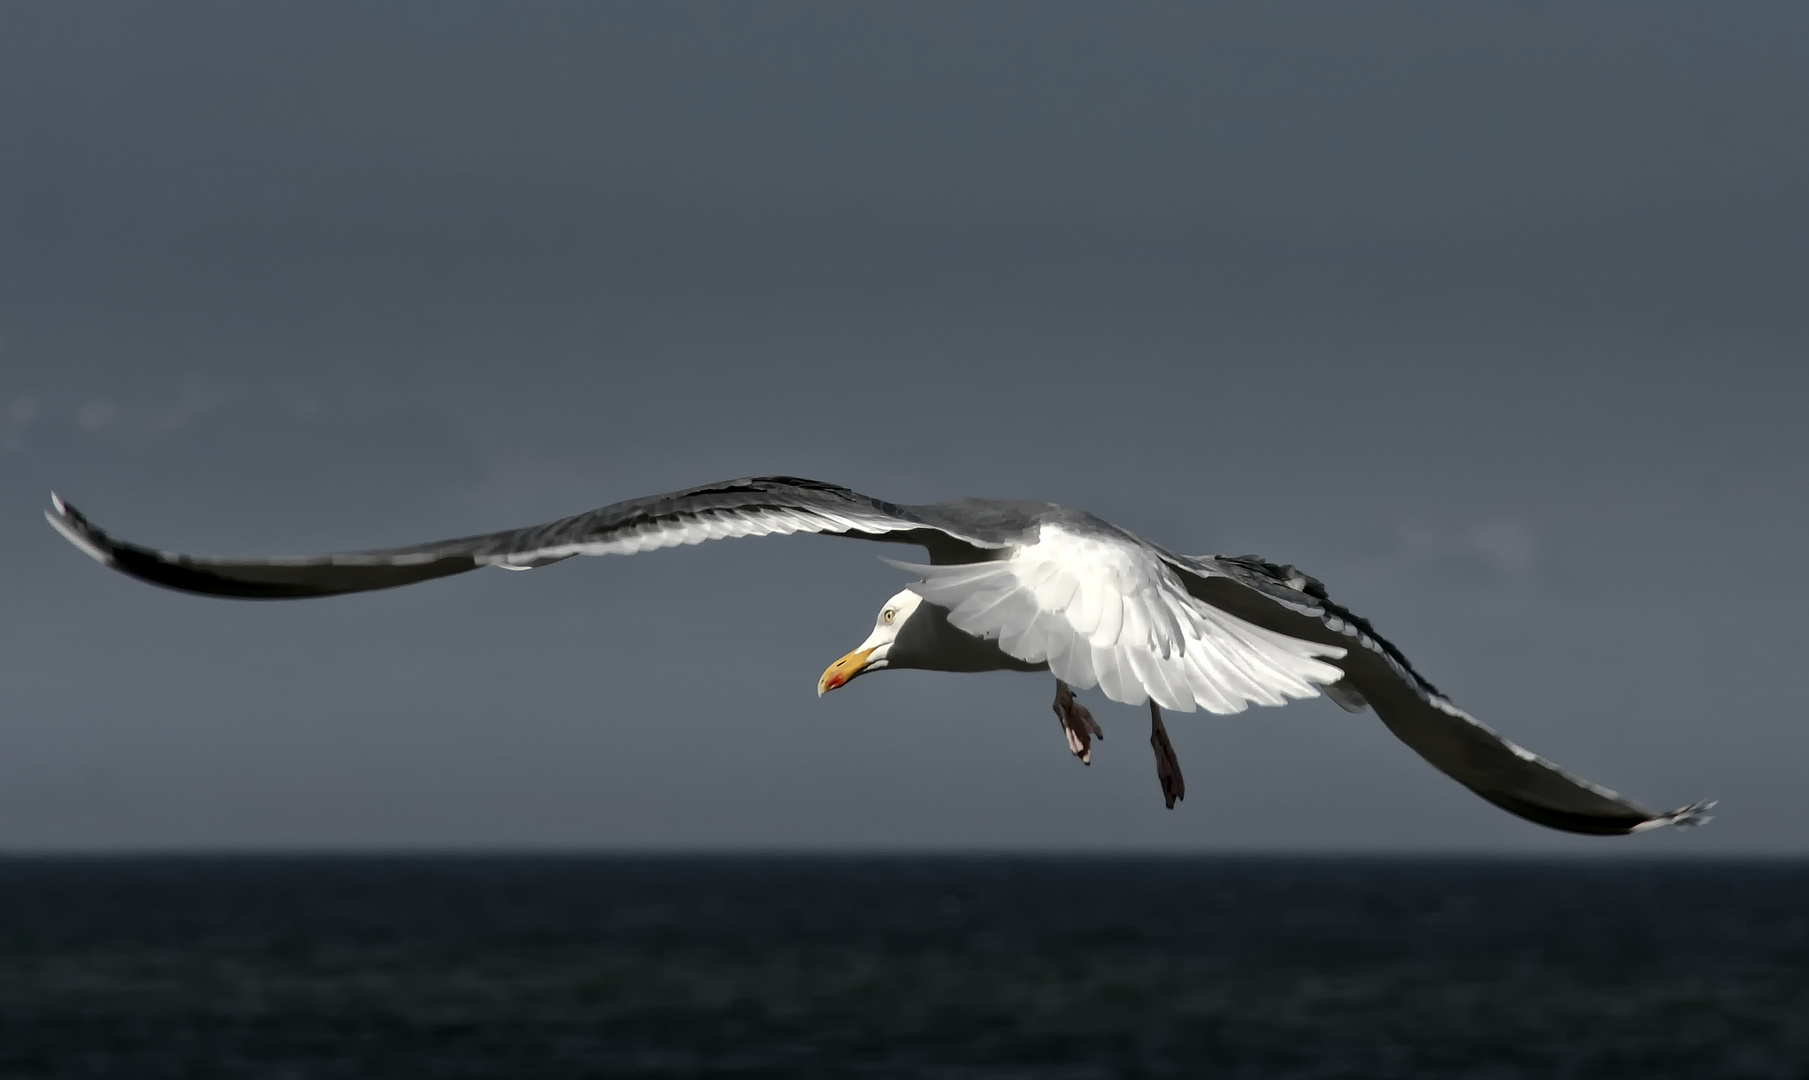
752, 507
1099, 606
1285, 601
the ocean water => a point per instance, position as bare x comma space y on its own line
901, 967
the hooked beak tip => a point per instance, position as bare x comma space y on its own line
842, 671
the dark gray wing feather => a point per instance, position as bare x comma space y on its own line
748, 507
1283, 599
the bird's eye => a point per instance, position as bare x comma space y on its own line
889, 615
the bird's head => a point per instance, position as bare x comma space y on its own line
872, 655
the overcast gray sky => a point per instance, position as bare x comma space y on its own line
1491, 316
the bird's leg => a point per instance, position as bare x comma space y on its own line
1168, 767
1077, 723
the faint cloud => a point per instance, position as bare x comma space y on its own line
140, 422
197, 399
1506, 544
20, 413
96, 415
1494, 569
1498, 546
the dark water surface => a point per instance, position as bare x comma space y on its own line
891, 967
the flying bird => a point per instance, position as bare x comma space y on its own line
1009, 586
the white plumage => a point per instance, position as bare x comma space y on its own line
1105, 611
1010, 586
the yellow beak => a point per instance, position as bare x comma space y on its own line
843, 671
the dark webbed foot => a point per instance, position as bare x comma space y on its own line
1077, 723
1168, 767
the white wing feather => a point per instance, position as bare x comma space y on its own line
698, 528
1108, 612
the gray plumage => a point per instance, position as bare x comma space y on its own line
1012, 585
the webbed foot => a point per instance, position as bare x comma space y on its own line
1077, 723
1168, 767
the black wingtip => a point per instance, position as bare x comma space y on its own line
69, 521
1686, 817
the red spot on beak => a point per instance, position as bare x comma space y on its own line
842, 670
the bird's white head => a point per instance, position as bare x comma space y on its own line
872, 653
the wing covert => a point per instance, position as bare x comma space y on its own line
1454, 742
1099, 607
755, 506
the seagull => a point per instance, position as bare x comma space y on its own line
1009, 586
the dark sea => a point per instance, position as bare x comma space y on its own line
901, 967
